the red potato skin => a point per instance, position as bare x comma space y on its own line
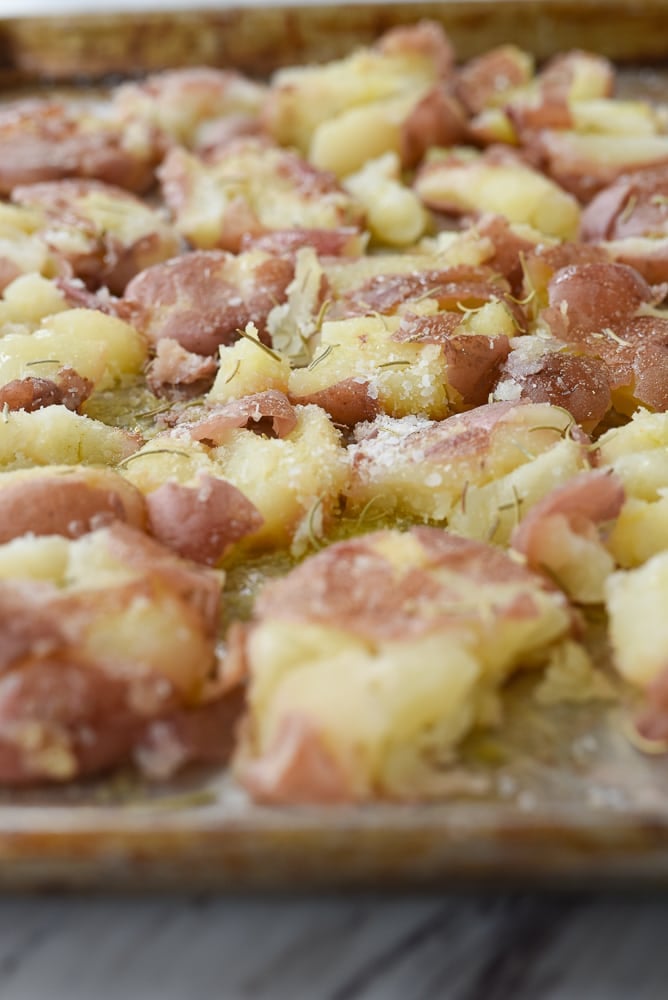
26, 619
205, 734
454, 288
205, 92
44, 141
29, 394
636, 204
351, 586
62, 716
579, 384
9, 271
77, 708
582, 177
435, 329
481, 80
265, 412
436, 120
651, 262
68, 389
199, 587
344, 242
217, 133
461, 435
348, 402
545, 111
472, 366
74, 708
201, 522
596, 308
295, 765
509, 250
193, 300
78, 296
427, 39
472, 360
598, 295
542, 262
587, 502
549, 107
652, 720
67, 505
473, 430
639, 362
175, 367
109, 261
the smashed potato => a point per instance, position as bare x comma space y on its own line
378, 652
328, 404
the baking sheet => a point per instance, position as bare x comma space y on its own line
567, 799
257, 38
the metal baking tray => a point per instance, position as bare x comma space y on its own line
566, 799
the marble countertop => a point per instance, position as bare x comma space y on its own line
468, 947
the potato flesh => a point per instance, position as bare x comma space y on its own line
395, 215
127, 633
355, 137
55, 435
245, 369
636, 605
304, 98
214, 190
480, 494
383, 715
98, 347
403, 378
520, 194
30, 299
285, 478
638, 454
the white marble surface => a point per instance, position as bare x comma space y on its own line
363, 948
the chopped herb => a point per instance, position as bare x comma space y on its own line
321, 357
561, 431
365, 511
315, 540
613, 336
525, 451
493, 530
234, 372
628, 208
430, 292
515, 504
322, 312
464, 495
162, 408
525, 301
154, 451
527, 277
470, 310
258, 343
